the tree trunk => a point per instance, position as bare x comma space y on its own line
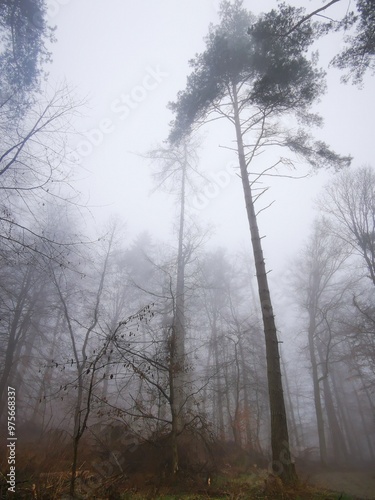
246, 390
300, 423
219, 404
15, 333
316, 386
346, 426
178, 359
337, 437
47, 375
74, 465
282, 463
291, 409
177, 341
174, 413
367, 434
236, 423
77, 430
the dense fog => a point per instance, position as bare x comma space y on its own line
187, 249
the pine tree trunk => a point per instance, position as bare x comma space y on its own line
282, 463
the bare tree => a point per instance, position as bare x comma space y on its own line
34, 173
23, 296
349, 205
82, 337
27, 293
237, 379
323, 285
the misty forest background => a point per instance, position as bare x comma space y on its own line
145, 354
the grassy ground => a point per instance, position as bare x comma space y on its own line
256, 485
244, 487
233, 484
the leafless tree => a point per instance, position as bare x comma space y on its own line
34, 172
315, 277
348, 202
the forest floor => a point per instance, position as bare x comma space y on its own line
240, 480
333, 485
257, 485
358, 483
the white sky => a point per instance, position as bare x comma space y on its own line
110, 50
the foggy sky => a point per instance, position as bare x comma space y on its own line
129, 59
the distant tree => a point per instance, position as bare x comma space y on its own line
321, 285
177, 166
348, 202
215, 270
24, 33
234, 368
253, 81
27, 300
87, 363
34, 174
81, 326
361, 335
24, 285
33, 127
148, 404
